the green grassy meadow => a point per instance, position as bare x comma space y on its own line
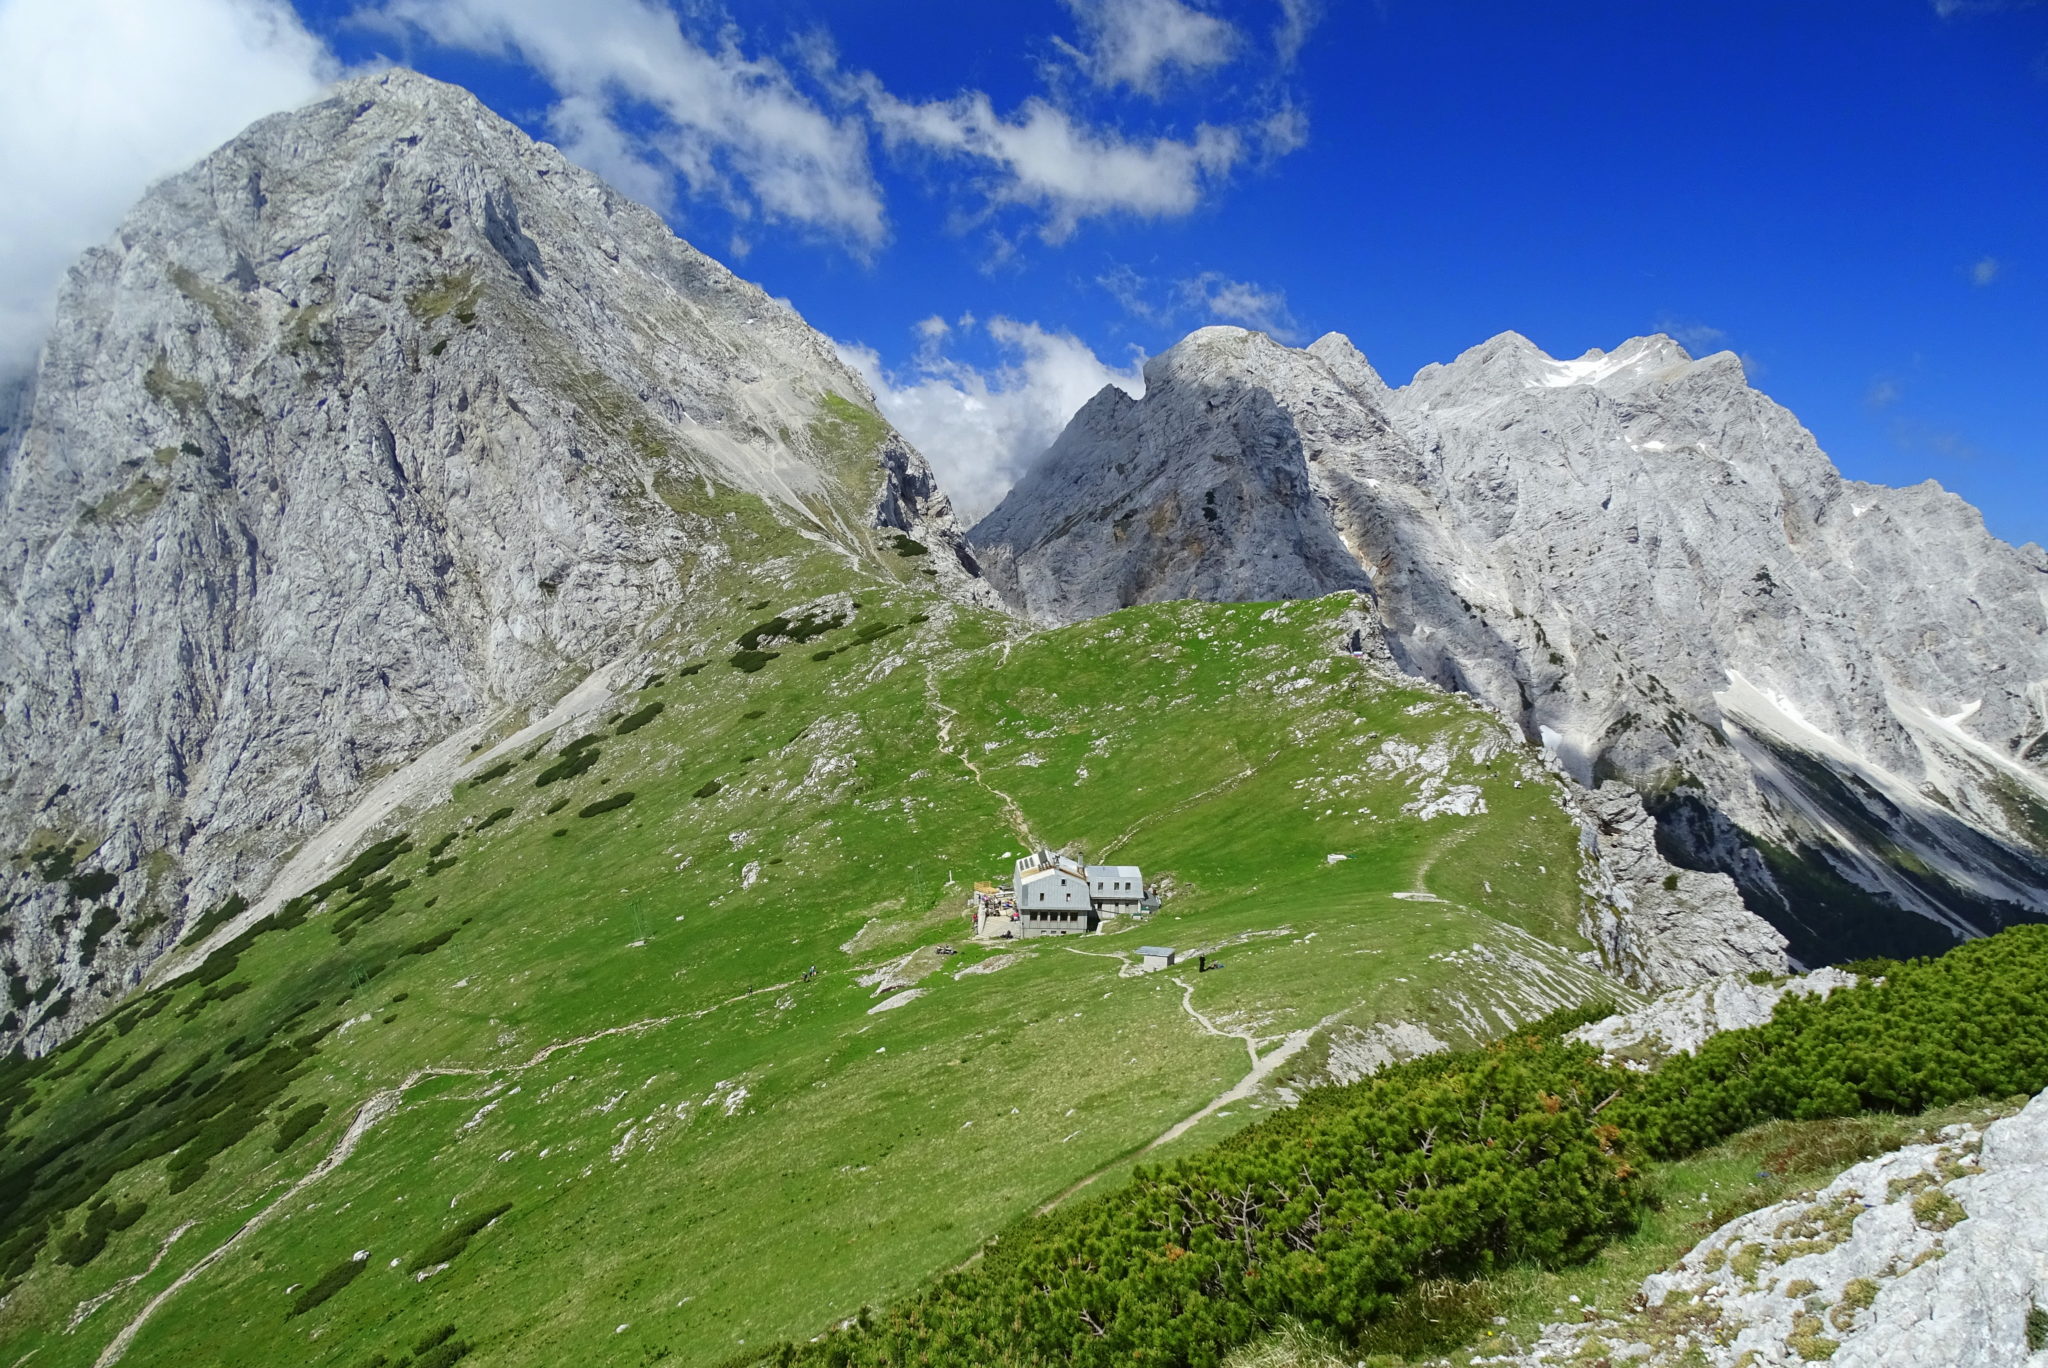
602, 1024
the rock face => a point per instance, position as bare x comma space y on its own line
1934, 1255
1834, 692
1658, 926
381, 420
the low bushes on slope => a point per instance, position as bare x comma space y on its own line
1526, 1150
1445, 1167
1971, 1023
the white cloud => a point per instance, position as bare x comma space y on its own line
98, 98
1985, 270
1216, 297
1136, 42
982, 429
1046, 159
584, 130
1207, 297
1696, 337
1297, 19
1883, 392
730, 125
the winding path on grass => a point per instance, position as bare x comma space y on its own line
378, 1107
1011, 812
1263, 1067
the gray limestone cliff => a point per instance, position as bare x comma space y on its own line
382, 419
1833, 692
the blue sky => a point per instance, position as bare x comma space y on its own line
1850, 195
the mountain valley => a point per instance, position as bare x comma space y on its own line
499, 733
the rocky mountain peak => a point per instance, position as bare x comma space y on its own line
1348, 363
1834, 692
382, 420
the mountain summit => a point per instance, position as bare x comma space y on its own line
1833, 691
377, 422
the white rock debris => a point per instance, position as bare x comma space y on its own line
1357, 1052
1680, 1022
890, 1004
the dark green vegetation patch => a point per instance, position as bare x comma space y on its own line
102, 1218
493, 774
448, 1248
633, 722
373, 859
610, 803
326, 1285
576, 759
294, 1127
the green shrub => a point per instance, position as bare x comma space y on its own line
441, 1355
492, 775
104, 918
219, 916
434, 1339
496, 817
368, 904
294, 1127
1445, 1169
328, 1283
639, 719
452, 1242
89, 885
102, 1219
798, 630
576, 759
711, 786
372, 860
608, 804
120, 1078
1973, 1023
906, 546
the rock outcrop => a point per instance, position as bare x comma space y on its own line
381, 420
1680, 1022
1658, 926
1833, 692
1935, 1255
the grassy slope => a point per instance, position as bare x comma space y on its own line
745, 1154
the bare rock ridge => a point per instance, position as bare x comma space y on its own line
1835, 692
381, 420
